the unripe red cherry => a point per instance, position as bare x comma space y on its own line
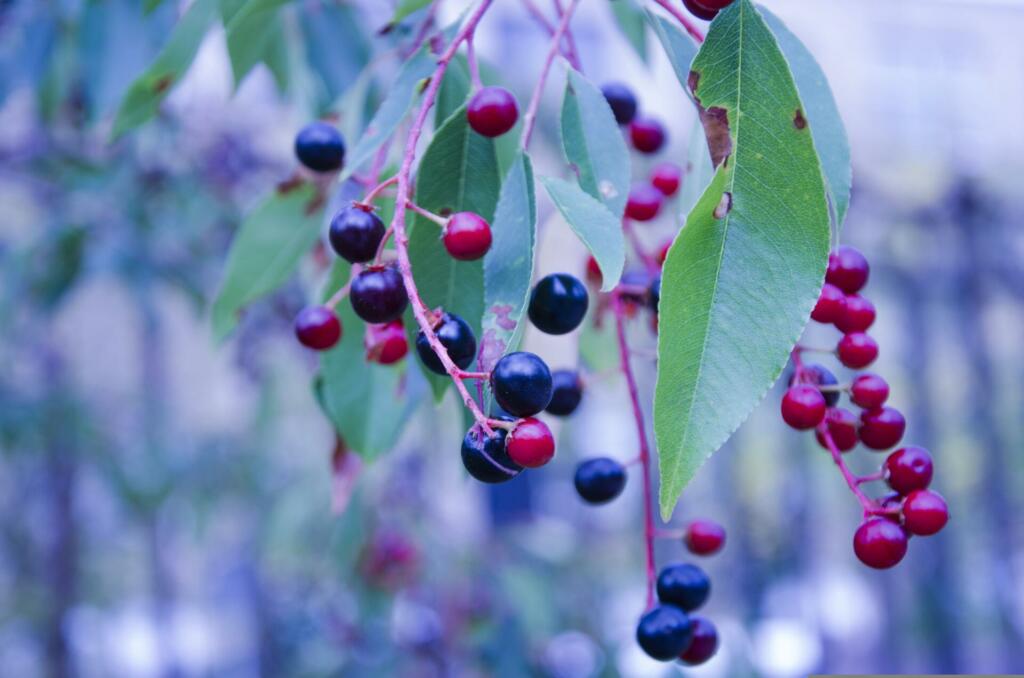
466, 236
492, 111
704, 537
869, 391
842, 428
647, 134
908, 469
644, 202
317, 327
704, 643
924, 512
858, 314
881, 428
666, 177
857, 350
803, 407
663, 252
699, 11
530, 443
880, 543
386, 344
830, 304
847, 269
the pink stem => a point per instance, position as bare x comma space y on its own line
474, 66
638, 247
427, 214
343, 292
368, 200
869, 506
570, 42
683, 19
570, 51
538, 90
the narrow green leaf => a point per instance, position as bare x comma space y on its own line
149, 5
336, 48
454, 90
741, 279
407, 7
630, 19
698, 170
680, 47
266, 250
254, 35
822, 113
598, 228
593, 143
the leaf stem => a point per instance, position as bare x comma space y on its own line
538, 90
427, 214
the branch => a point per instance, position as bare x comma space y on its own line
683, 19
538, 90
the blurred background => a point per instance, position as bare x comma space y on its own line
170, 506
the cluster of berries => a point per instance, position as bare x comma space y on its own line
706, 9
811, 402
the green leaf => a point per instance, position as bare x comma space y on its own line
593, 143
146, 93
508, 265
149, 5
698, 169
266, 251
454, 90
407, 7
459, 172
680, 47
253, 35
336, 48
741, 279
630, 19
598, 228
821, 111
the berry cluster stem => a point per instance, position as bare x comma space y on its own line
870, 508
538, 90
570, 51
683, 19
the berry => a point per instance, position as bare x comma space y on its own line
892, 502
847, 269
621, 99
492, 111
881, 428
566, 393
924, 512
869, 391
599, 480
485, 457
664, 632
647, 135
704, 643
818, 375
521, 383
654, 293
320, 147
378, 294
880, 543
663, 252
466, 236
356, 233
594, 271
558, 303
530, 443
704, 537
842, 428
456, 336
666, 178
830, 304
714, 5
317, 327
684, 585
857, 315
857, 350
644, 202
386, 344
908, 469
699, 11
803, 407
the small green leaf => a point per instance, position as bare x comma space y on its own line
741, 279
598, 228
407, 7
593, 143
680, 47
630, 19
253, 35
266, 250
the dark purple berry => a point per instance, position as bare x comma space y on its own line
356, 233
622, 101
566, 392
320, 147
485, 457
456, 336
521, 383
558, 303
378, 294
664, 632
599, 480
684, 585
818, 375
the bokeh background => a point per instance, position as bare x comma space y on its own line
170, 506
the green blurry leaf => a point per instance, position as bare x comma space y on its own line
454, 90
150, 5
266, 250
335, 43
599, 229
699, 170
143, 98
822, 113
407, 7
593, 143
253, 35
680, 47
458, 173
741, 279
630, 19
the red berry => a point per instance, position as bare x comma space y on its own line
386, 344
880, 543
644, 202
842, 428
881, 428
892, 502
830, 304
704, 537
857, 314
847, 269
492, 111
663, 252
714, 5
869, 391
647, 135
530, 443
666, 178
699, 11
908, 469
803, 407
704, 642
924, 512
466, 236
594, 271
857, 350
317, 327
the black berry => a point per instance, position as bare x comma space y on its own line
378, 294
356, 233
320, 147
521, 383
566, 392
600, 480
818, 375
621, 99
664, 632
683, 585
558, 303
456, 336
485, 458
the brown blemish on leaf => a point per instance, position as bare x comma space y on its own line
290, 184
716, 124
445, 211
799, 121
163, 84
315, 204
724, 205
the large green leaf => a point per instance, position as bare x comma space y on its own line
680, 47
335, 44
821, 111
266, 251
254, 35
593, 143
458, 172
630, 19
146, 93
596, 226
454, 90
741, 279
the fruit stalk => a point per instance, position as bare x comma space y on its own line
683, 19
538, 90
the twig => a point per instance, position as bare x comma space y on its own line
683, 19
538, 90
